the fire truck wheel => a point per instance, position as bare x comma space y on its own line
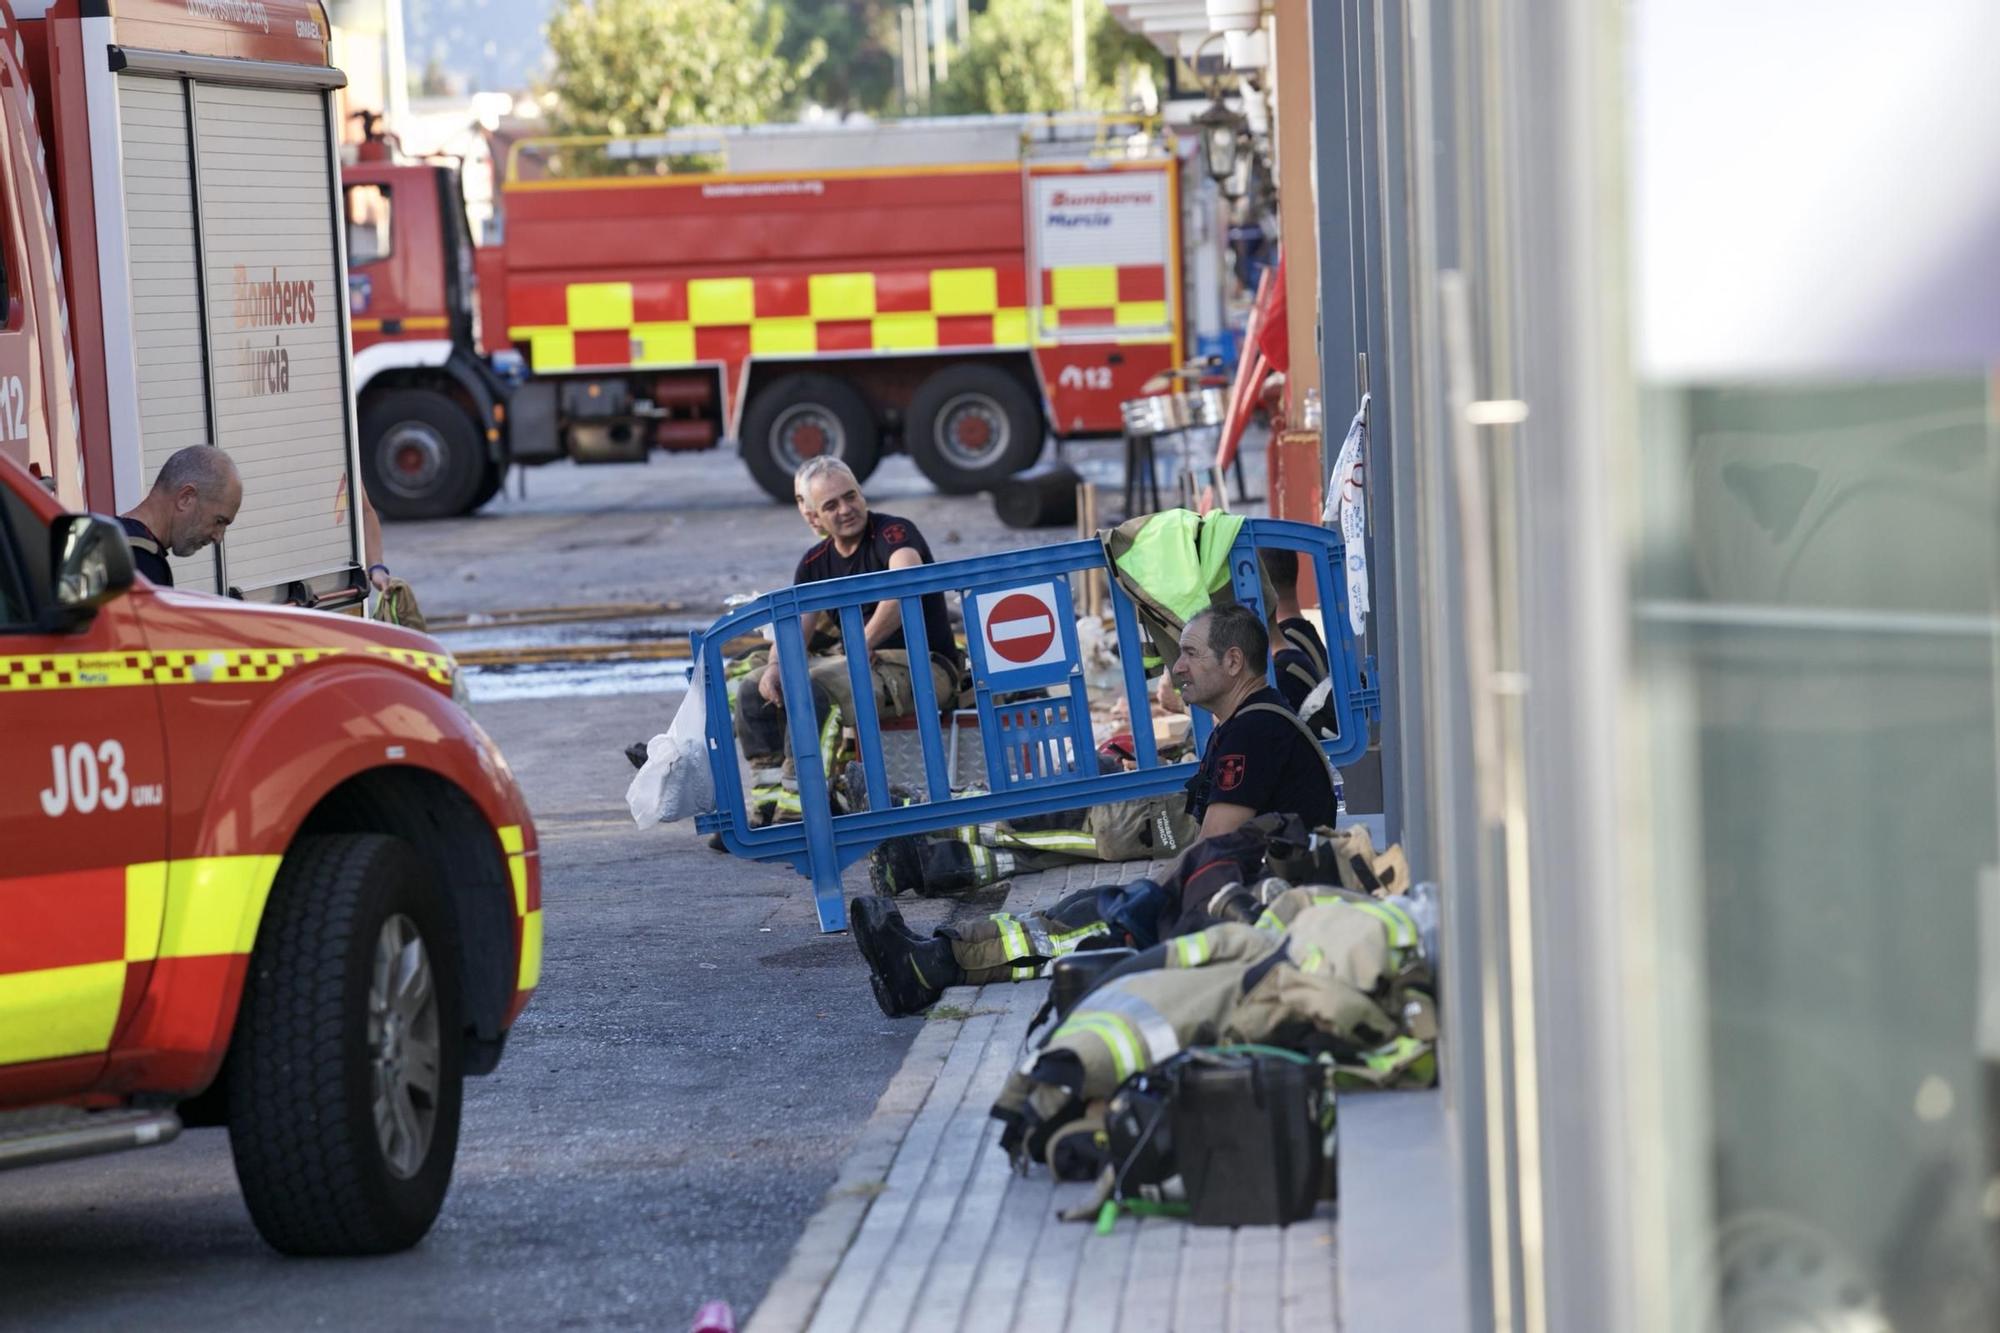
971, 427
801, 417
420, 455
489, 485
346, 1066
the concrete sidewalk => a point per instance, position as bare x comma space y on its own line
927, 1227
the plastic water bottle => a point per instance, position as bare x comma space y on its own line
1310, 415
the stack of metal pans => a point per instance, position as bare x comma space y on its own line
1151, 415
1166, 413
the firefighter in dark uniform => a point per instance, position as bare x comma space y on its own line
1260, 759
858, 541
1298, 654
193, 501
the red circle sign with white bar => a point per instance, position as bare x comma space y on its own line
1019, 627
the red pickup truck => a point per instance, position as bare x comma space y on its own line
261, 868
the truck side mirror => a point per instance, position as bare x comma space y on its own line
93, 564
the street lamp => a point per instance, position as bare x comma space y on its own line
1219, 129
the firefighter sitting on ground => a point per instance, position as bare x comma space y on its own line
1260, 761
966, 859
857, 541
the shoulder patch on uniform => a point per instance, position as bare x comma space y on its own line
1229, 772
895, 532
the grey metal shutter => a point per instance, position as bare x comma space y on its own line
166, 285
275, 335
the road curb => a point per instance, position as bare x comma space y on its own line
795, 1294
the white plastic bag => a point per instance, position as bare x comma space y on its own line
675, 782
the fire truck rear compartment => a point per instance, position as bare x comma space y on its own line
620, 418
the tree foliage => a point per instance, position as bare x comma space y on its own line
1018, 58
629, 67
859, 38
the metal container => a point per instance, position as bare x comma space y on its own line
1155, 414
1206, 407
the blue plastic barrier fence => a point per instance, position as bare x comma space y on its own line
1027, 686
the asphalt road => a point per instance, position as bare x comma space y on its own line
676, 1101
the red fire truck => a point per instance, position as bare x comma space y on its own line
260, 866
955, 288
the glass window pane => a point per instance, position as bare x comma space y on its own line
1814, 634
368, 215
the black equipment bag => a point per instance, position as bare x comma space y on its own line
1251, 1127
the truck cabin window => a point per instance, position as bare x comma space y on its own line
368, 215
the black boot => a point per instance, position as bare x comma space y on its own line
948, 866
907, 971
896, 867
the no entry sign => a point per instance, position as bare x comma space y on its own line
1020, 627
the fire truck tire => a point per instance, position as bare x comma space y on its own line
801, 416
420, 455
490, 483
346, 1068
971, 427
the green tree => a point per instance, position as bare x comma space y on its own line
859, 39
630, 67
1018, 59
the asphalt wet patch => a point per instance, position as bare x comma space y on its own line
568, 680
838, 951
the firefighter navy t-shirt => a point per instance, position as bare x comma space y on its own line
1263, 761
886, 534
1298, 659
149, 557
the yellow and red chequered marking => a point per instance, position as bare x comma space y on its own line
525, 876
667, 322
1128, 300
81, 945
202, 666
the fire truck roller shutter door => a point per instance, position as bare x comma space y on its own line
971, 426
277, 346
803, 416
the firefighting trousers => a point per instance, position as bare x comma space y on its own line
963, 859
761, 724
1010, 947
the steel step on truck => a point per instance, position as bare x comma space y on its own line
259, 867
958, 289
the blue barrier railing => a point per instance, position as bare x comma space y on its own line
1028, 690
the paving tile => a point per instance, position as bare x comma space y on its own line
1003, 1267
1151, 1269
1256, 1277
1052, 1268
877, 1241
1311, 1276
964, 1231
1100, 1289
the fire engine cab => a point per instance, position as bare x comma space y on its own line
261, 867
956, 288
